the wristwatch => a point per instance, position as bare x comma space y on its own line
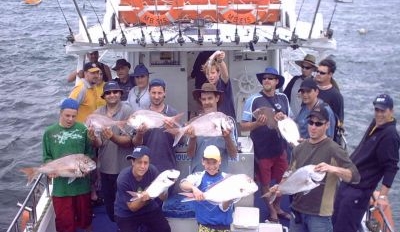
382, 197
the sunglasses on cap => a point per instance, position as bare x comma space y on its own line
317, 124
321, 73
112, 91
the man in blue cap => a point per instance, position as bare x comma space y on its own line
376, 158
139, 97
144, 211
71, 201
113, 143
269, 147
157, 139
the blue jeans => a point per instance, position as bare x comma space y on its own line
311, 223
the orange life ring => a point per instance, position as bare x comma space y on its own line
244, 18
168, 17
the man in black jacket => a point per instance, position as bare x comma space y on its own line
376, 159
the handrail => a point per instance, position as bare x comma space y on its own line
30, 198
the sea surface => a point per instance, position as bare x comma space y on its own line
34, 67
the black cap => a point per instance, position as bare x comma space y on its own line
383, 102
319, 112
308, 84
121, 63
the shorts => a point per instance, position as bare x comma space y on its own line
272, 169
72, 212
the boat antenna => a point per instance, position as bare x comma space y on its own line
315, 16
104, 39
295, 37
237, 37
217, 41
123, 38
83, 22
329, 31
70, 37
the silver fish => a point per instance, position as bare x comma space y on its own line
230, 188
151, 119
159, 185
210, 124
269, 113
99, 122
289, 130
303, 180
72, 166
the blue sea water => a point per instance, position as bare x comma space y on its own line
34, 67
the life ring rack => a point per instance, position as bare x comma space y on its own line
251, 17
152, 19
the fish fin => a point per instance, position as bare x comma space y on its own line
188, 197
71, 179
30, 173
134, 195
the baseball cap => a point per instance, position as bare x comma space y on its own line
308, 84
383, 102
157, 82
91, 67
69, 103
319, 112
139, 152
212, 152
111, 85
121, 63
140, 70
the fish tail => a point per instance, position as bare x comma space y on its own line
30, 173
177, 118
270, 196
188, 197
134, 195
177, 132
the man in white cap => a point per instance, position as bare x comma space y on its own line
209, 217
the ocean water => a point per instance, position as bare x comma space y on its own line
34, 67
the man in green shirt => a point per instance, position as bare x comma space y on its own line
71, 201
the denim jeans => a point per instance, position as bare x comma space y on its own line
311, 223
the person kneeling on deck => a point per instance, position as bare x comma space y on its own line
131, 214
210, 217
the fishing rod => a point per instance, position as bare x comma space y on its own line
101, 40
295, 38
70, 37
217, 41
142, 40
123, 38
255, 36
83, 22
315, 16
237, 38
161, 40
329, 31
200, 38
180, 39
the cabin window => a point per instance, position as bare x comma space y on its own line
164, 58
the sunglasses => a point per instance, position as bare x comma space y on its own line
321, 73
269, 78
317, 124
306, 67
141, 76
112, 91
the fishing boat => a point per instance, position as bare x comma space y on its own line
167, 37
32, 2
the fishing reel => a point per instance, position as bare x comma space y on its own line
70, 38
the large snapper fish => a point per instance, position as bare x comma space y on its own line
289, 130
302, 180
99, 122
159, 185
72, 166
269, 113
210, 124
230, 188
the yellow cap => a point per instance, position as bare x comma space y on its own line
212, 152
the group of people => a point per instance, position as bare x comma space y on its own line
130, 162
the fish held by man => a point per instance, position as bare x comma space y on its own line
160, 185
211, 124
289, 130
72, 166
100, 122
269, 113
302, 180
230, 188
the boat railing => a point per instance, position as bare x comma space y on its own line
28, 207
373, 225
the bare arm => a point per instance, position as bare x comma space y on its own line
189, 187
230, 144
138, 138
72, 76
343, 173
121, 140
107, 72
138, 204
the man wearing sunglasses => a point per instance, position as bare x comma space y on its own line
376, 158
313, 210
114, 145
307, 66
330, 94
309, 95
